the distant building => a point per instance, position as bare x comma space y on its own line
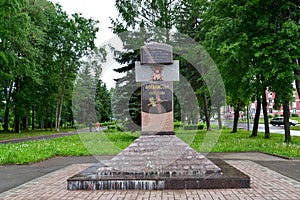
294, 105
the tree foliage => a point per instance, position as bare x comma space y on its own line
254, 44
41, 48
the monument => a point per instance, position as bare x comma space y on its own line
158, 159
157, 71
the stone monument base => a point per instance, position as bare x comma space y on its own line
157, 162
157, 133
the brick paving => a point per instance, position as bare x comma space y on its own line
265, 184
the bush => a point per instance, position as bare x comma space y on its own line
177, 124
108, 123
114, 128
295, 115
270, 116
193, 127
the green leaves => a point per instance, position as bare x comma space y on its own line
41, 48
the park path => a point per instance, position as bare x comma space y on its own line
47, 137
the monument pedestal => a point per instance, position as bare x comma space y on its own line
159, 162
158, 159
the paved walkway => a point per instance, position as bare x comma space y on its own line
49, 136
266, 183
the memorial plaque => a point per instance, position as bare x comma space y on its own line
156, 53
157, 108
157, 98
147, 72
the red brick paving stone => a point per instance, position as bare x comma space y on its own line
168, 195
265, 184
118, 195
132, 195
180, 195
50, 186
204, 194
95, 195
156, 195
192, 194
216, 194
143, 195
229, 194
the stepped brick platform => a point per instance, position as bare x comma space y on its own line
159, 162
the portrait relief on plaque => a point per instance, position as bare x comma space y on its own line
157, 98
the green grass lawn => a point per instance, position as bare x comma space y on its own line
8, 136
240, 142
76, 145
111, 143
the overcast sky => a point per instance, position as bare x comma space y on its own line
100, 10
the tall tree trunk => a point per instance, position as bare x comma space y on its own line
51, 118
16, 110
58, 100
266, 118
219, 117
206, 113
7, 93
32, 119
286, 117
17, 124
236, 117
256, 117
297, 75
60, 97
6, 118
27, 118
60, 103
43, 118
57, 120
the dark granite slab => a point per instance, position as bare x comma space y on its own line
229, 178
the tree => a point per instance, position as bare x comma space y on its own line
40, 51
21, 38
276, 32
189, 21
69, 40
252, 35
103, 102
86, 95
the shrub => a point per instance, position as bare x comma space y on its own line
193, 127
295, 115
108, 123
112, 127
270, 116
177, 124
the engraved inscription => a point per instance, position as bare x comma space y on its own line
157, 98
156, 53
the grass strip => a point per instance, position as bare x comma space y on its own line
111, 143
